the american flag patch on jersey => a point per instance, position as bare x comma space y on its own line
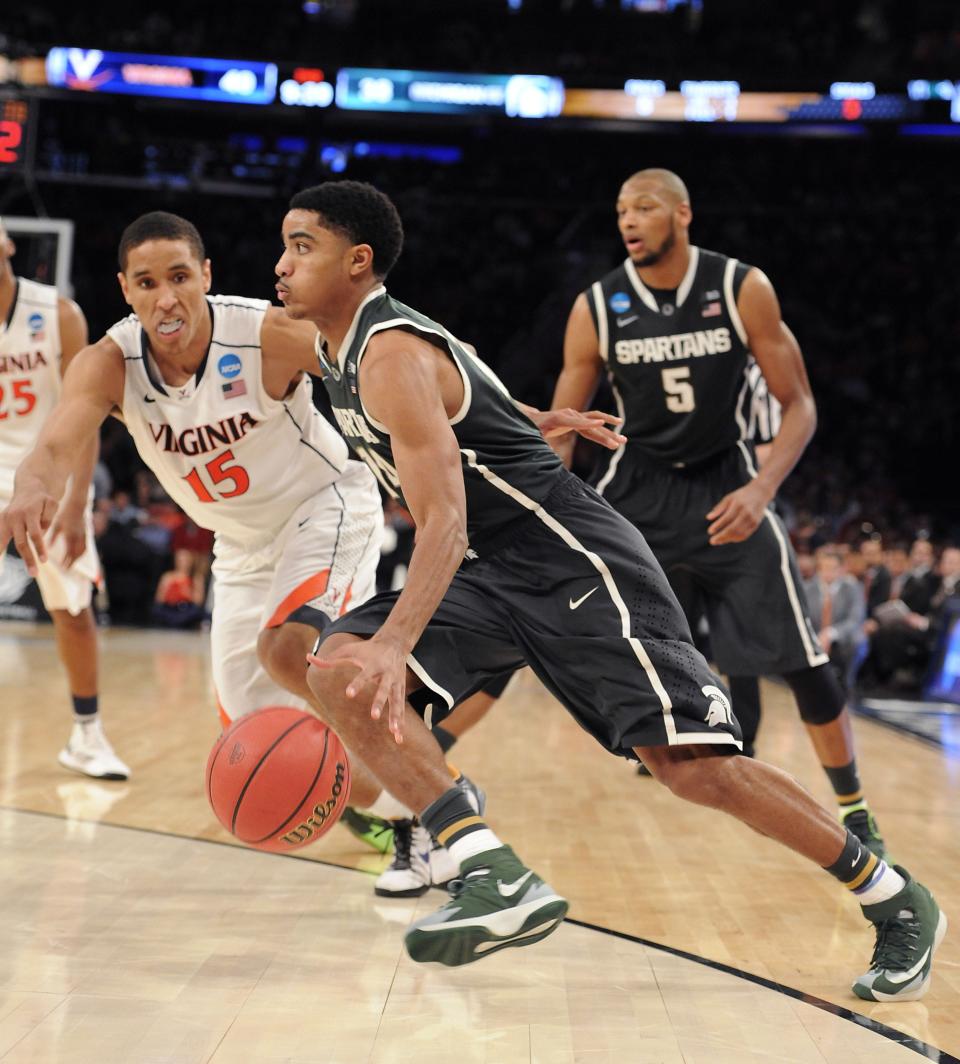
710, 310
234, 388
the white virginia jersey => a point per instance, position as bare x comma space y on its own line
236, 460
29, 373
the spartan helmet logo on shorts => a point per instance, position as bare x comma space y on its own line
718, 712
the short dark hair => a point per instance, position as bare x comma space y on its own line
361, 213
159, 225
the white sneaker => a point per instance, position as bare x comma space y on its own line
409, 874
419, 861
89, 751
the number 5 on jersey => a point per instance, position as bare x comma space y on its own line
678, 389
219, 473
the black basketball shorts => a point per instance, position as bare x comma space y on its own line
577, 595
751, 591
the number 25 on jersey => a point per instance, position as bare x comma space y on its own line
17, 398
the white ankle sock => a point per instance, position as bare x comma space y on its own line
473, 843
389, 808
881, 886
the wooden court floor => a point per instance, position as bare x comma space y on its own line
135, 932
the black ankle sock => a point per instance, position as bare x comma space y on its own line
854, 865
451, 817
846, 784
85, 706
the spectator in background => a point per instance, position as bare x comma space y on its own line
903, 629
198, 542
876, 576
178, 602
837, 604
921, 581
897, 561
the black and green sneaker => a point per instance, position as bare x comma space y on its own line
860, 822
497, 902
910, 927
373, 830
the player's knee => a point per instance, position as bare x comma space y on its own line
327, 684
688, 776
282, 657
818, 693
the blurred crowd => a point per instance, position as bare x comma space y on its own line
881, 609
577, 39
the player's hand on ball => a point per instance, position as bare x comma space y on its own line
25, 521
737, 515
71, 526
383, 671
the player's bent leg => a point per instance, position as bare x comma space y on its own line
87, 750
909, 925
501, 903
761, 795
283, 653
415, 771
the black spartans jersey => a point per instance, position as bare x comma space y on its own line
677, 363
508, 468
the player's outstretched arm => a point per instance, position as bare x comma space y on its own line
92, 387
288, 349
736, 516
409, 387
70, 523
582, 366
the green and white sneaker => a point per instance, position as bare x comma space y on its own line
376, 832
910, 927
860, 823
497, 902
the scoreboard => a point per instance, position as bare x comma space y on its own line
16, 134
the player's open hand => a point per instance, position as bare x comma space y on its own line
26, 521
71, 527
589, 423
737, 516
383, 671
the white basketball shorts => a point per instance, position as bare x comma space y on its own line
325, 557
61, 588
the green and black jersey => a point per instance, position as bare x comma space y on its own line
508, 468
677, 361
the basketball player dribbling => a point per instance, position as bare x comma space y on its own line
516, 561
692, 341
213, 390
41, 334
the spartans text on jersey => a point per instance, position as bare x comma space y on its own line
674, 347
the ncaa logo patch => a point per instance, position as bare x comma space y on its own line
229, 365
35, 323
619, 302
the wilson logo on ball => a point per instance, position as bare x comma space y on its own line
320, 815
236, 754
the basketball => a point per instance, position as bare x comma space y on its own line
278, 779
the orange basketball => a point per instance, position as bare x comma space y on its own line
278, 778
